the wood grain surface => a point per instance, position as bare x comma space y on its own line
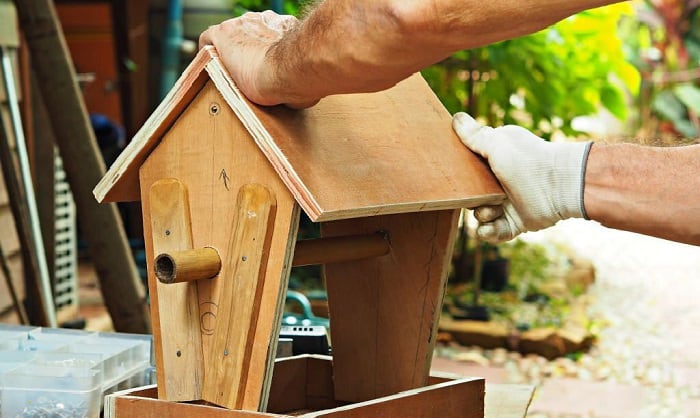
368, 154
226, 376
209, 151
179, 359
384, 310
349, 156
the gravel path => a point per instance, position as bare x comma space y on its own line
647, 361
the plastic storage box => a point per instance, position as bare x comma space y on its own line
46, 372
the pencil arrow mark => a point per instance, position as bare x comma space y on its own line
223, 176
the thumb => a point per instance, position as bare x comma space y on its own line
498, 230
473, 134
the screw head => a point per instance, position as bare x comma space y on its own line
244, 258
167, 232
226, 352
179, 353
214, 109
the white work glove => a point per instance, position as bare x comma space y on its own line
542, 180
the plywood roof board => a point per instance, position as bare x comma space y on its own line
349, 156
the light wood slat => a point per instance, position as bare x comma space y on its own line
179, 364
240, 292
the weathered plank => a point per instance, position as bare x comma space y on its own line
101, 224
181, 366
226, 377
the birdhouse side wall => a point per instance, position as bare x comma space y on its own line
384, 311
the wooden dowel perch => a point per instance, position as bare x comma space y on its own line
188, 265
204, 263
339, 249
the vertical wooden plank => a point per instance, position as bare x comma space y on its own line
384, 311
119, 280
132, 45
9, 241
181, 369
240, 291
45, 178
288, 388
210, 152
20, 212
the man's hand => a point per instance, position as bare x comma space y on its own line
543, 180
244, 45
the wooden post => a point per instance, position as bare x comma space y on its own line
204, 263
188, 265
101, 224
37, 315
339, 249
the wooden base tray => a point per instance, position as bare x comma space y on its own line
302, 386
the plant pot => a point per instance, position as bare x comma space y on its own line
494, 275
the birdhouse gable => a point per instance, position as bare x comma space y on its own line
349, 156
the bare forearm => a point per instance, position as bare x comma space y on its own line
653, 191
346, 46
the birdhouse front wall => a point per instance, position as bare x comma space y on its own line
209, 152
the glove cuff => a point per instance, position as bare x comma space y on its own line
570, 172
587, 151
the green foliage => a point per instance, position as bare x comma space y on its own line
533, 267
664, 44
689, 95
544, 80
290, 7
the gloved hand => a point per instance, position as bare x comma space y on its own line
542, 180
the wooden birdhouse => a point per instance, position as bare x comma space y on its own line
222, 183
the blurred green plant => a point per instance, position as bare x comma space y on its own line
290, 7
663, 42
536, 295
544, 80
